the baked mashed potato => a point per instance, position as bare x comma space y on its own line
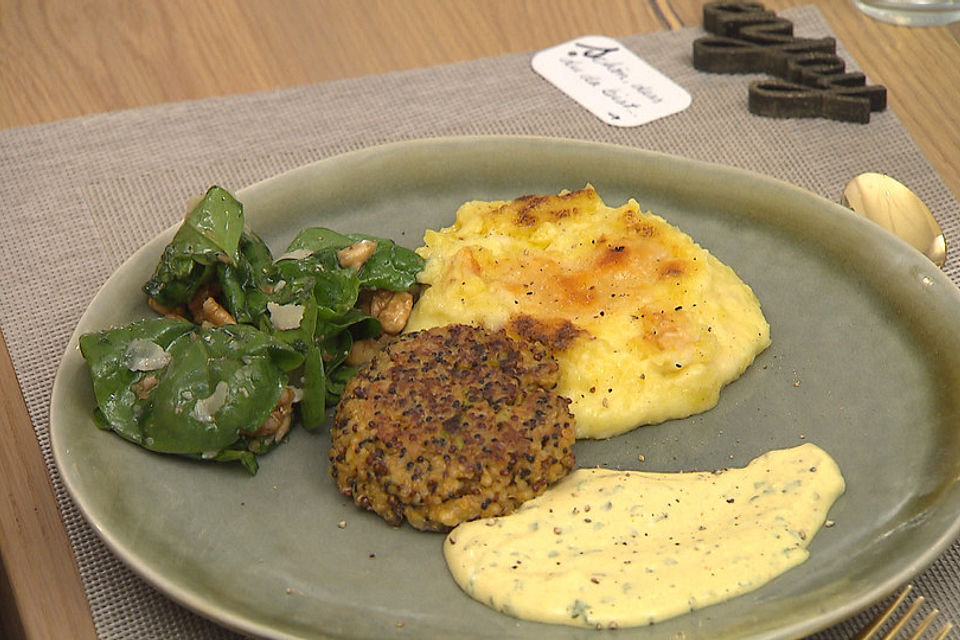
645, 324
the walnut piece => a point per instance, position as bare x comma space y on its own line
356, 254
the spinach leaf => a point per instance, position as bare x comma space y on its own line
209, 390
212, 393
310, 267
337, 380
390, 267
242, 282
210, 234
316, 239
335, 290
241, 341
313, 405
175, 387
124, 364
328, 295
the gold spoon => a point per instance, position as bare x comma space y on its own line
896, 208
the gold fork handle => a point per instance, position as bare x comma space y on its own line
943, 632
875, 624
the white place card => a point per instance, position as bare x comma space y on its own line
610, 81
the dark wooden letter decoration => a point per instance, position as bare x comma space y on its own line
811, 78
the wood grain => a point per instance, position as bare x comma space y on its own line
67, 59
42, 596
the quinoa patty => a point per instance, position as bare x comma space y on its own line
451, 424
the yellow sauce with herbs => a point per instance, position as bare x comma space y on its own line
609, 549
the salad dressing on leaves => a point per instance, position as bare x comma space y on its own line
609, 549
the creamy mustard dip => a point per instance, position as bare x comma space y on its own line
609, 549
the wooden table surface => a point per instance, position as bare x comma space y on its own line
65, 59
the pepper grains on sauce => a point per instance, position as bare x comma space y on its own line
611, 549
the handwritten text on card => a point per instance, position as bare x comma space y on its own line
610, 81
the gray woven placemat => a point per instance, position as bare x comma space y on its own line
77, 197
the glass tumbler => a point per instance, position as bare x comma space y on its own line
912, 13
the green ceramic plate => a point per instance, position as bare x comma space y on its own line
865, 362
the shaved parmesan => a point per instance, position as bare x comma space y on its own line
285, 316
204, 409
144, 355
297, 254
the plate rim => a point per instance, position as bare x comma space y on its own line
262, 188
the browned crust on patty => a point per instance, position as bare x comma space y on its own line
451, 424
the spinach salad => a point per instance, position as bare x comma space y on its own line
245, 340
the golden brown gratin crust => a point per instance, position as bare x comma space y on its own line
645, 324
